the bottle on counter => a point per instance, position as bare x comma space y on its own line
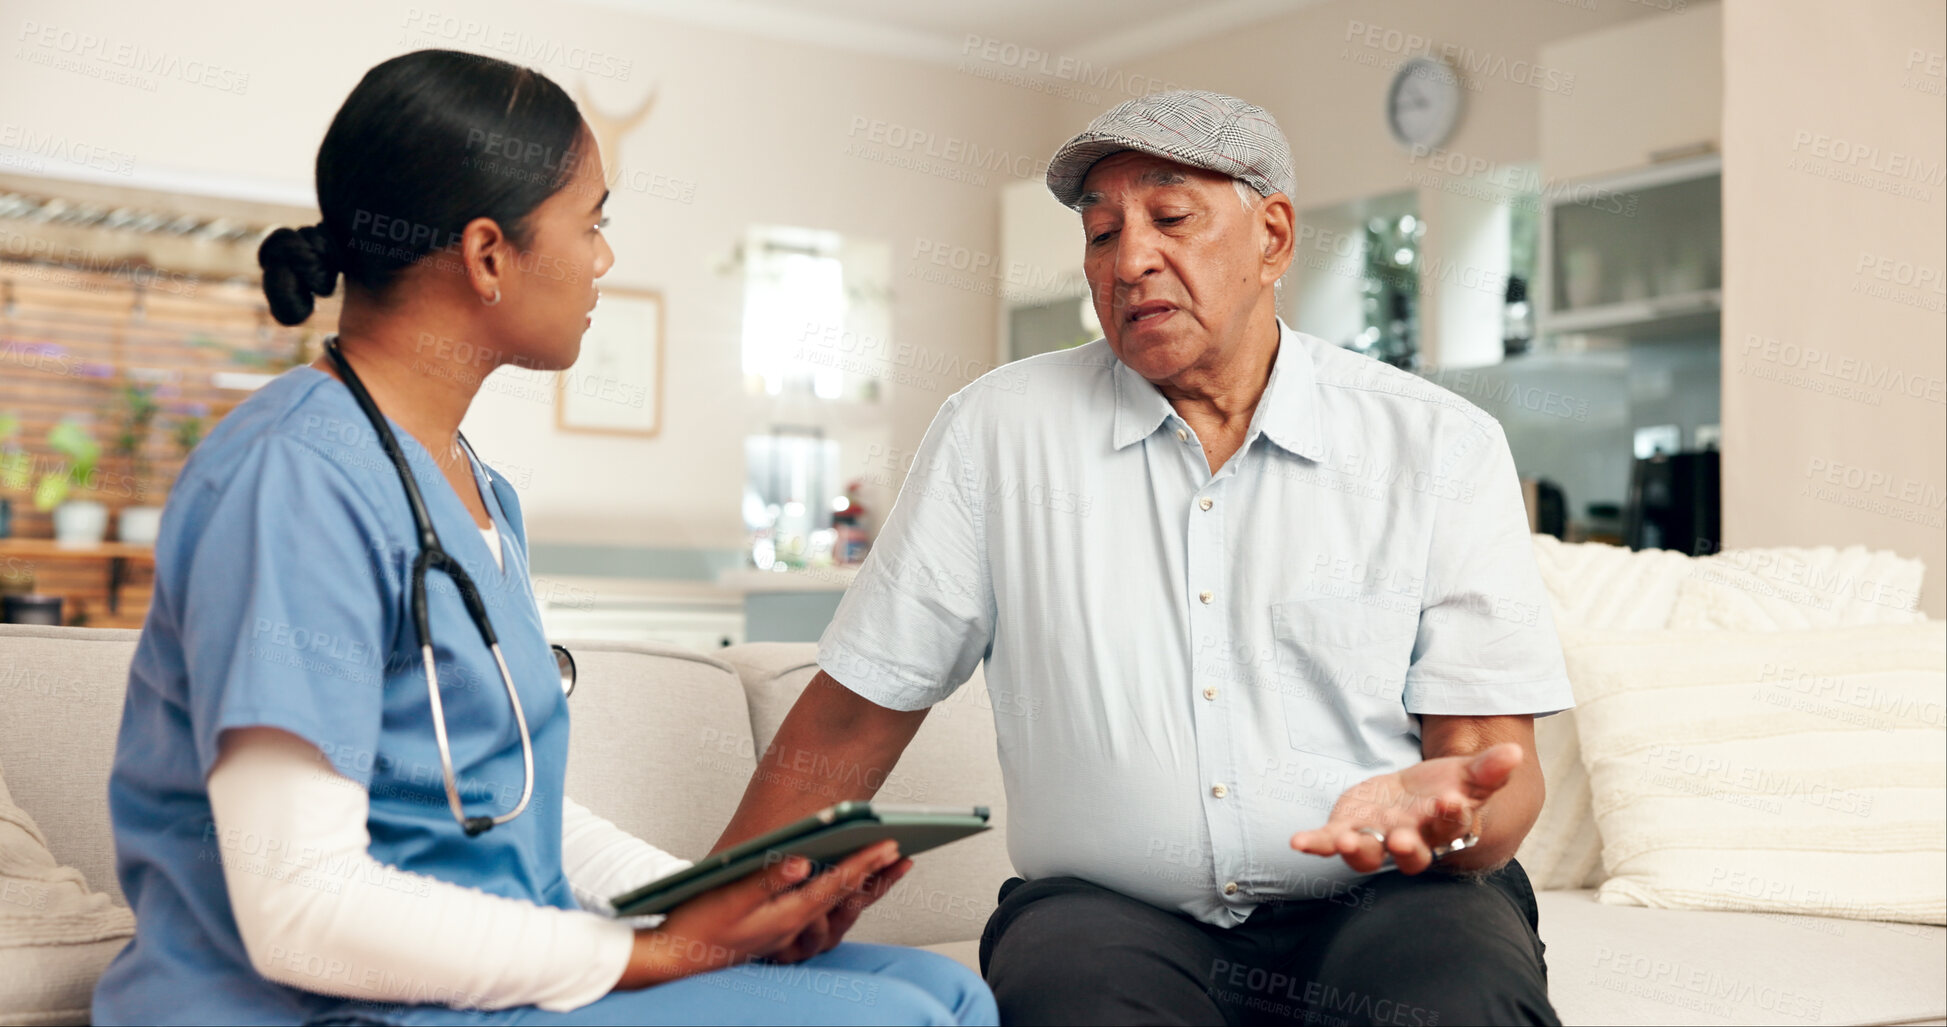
848, 520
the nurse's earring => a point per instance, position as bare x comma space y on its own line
496, 299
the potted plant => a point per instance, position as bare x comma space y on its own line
77, 522
15, 466
138, 523
188, 430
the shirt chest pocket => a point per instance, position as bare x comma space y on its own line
1342, 675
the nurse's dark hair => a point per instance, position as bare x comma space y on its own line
427, 142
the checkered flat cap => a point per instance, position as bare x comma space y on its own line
1190, 126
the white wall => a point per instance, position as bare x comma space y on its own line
1835, 222
1322, 71
760, 127
1805, 251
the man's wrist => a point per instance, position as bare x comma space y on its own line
1461, 844
1470, 860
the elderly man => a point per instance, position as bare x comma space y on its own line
1233, 583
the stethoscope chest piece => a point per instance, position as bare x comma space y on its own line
564, 661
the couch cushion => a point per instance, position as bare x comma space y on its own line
1619, 965
951, 762
661, 742
61, 693
638, 706
1626, 965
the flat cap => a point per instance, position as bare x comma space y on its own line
1190, 126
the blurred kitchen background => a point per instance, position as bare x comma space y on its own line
1688, 254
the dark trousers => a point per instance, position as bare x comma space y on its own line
1423, 951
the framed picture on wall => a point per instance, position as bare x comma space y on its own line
615, 387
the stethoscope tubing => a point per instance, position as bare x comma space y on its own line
434, 556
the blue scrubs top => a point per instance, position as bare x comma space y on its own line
283, 578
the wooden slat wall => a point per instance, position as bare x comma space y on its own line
70, 339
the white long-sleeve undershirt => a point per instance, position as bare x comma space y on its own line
316, 911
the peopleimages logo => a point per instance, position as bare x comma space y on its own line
66, 149
1512, 183
1869, 376
949, 148
1469, 64
1868, 157
1030, 60
58, 45
523, 47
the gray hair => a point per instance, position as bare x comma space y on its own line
1246, 195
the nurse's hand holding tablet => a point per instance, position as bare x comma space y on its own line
758, 917
338, 788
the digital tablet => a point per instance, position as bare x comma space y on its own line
825, 838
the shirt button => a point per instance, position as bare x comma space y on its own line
1205, 597
1219, 791
1230, 887
1210, 693
1182, 436
1206, 503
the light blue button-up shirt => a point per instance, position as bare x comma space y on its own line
1186, 666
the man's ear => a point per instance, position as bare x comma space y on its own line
1276, 222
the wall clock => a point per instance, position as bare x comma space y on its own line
1423, 103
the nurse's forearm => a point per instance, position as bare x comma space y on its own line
317, 912
835, 745
601, 860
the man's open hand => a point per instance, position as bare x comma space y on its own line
1428, 804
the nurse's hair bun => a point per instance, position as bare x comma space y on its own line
432, 140
299, 264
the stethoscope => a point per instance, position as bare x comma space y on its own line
433, 556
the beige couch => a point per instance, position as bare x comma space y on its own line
691, 724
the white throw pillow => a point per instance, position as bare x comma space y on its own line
1609, 588
1590, 586
1793, 589
1562, 849
1599, 587
56, 935
1800, 772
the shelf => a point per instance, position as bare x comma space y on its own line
47, 547
812, 579
102, 585
1689, 313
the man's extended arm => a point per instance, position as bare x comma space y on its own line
1503, 821
833, 746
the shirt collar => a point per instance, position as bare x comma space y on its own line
1287, 413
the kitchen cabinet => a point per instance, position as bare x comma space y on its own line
1644, 92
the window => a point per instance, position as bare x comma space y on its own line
816, 318
790, 484
1357, 276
